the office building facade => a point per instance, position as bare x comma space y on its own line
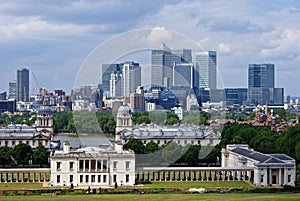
162, 62
12, 90
261, 85
23, 84
206, 69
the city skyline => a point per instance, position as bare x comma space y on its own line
54, 40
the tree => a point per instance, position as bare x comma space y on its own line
172, 121
22, 153
191, 156
135, 145
5, 155
40, 155
151, 147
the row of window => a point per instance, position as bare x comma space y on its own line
87, 178
15, 142
178, 141
92, 165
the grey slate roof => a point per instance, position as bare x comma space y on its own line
260, 157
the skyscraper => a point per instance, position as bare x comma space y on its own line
12, 90
162, 64
23, 84
131, 77
261, 75
183, 75
107, 70
206, 69
261, 85
125, 82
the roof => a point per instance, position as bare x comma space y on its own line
260, 157
170, 132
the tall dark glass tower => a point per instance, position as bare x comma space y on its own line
23, 84
261, 75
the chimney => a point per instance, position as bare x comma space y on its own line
66, 147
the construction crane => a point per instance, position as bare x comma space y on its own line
37, 83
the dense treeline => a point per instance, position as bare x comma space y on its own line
260, 139
25, 118
22, 154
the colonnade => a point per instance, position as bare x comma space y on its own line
24, 175
193, 174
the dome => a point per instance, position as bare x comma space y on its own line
123, 110
45, 110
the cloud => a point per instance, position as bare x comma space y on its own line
233, 25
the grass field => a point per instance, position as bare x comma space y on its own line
185, 184
158, 197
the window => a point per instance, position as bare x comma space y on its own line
58, 178
289, 178
158, 141
27, 142
58, 164
262, 178
99, 178
93, 165
6, 143
185, 142
86, 178
104, 165
71, 178
127, 178
127, 164
98, 166
192, 141
71, 166
33, 142
87, 165
199, 142
81, 165
115, 164
104, 178
114, 178
93, 178
165, 141
13, 142
20, 141
81, 178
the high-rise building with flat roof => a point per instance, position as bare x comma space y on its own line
12, 90
261, 85
206, 69
23, 84
162, 62
261, 75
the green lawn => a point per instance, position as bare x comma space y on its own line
183, 184
19, 186
158, 197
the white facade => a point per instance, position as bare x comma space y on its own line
268, 169
40, 134
92, 166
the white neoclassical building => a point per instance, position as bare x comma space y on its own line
39, 134
92, 166
180, 134
268, 169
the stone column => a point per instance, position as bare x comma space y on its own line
279, 177
270, 176
285, 176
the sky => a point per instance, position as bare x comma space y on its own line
54, 38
